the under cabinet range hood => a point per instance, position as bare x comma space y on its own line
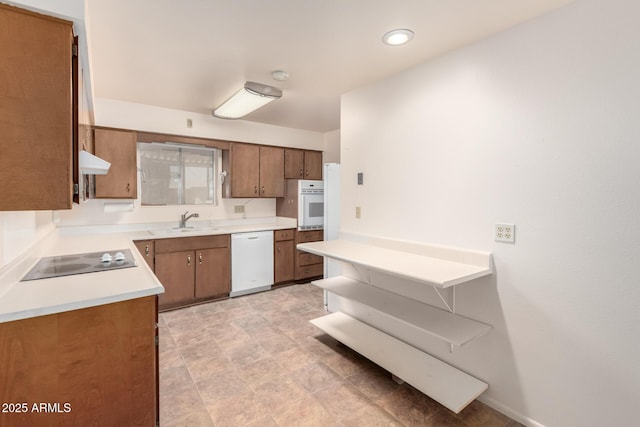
92, 165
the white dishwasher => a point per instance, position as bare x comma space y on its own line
251, 262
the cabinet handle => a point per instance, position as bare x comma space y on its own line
263, 189
188, 259
146, 250
200, 258
307, 172
255, 190
278, 248
300, 173
128, 187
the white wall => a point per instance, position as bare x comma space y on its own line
19, 230
537, 126
129, 115
331, 148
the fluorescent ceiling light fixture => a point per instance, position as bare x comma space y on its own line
397, 37
251, 97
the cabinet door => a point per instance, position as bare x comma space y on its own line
213, 272
118, 148
293, 164
245, 170
146, 248
284, 262
101, 359
35, 111
271, 172
176, 272
312, 165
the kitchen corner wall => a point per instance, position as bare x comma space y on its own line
19, 230
536, 126
331, 150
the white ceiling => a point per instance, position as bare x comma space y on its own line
193, 54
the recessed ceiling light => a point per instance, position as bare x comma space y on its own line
280, 75
397, 37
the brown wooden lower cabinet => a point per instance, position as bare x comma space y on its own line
213, 271
309, 271
284, 256
193, 269
308, 265
176, 272
94, 366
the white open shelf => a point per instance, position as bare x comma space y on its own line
447, 385
434, 270
385, 316
450, 327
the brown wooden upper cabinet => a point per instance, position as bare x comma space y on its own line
36, 111
117, 147
253, 171
302, 164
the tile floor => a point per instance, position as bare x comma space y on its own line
257, 361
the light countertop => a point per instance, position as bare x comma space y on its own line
435, 271
21, 300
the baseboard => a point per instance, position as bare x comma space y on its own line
503, 409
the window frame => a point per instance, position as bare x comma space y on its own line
213, 179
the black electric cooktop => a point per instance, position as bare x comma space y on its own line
68, 265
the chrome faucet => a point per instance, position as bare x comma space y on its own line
184, 218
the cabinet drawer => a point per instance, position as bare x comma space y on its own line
280, 235
192, 243
305, 258
310, 236
309, 271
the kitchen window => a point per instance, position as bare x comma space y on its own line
177, 174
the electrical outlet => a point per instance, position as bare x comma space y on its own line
189, 123
238, 209
358, 211
504, 233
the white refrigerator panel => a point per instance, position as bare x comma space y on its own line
331, 174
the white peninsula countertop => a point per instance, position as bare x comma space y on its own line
434, 270
22, 300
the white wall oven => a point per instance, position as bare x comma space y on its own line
310, 204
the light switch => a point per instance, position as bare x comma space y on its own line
360, 178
